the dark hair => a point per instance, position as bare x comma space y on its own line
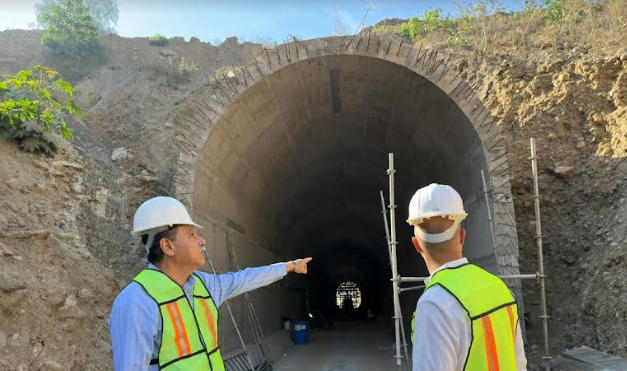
155, 254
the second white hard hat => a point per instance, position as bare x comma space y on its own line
436, 200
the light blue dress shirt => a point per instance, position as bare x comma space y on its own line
135, 323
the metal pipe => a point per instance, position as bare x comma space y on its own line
503, 277
393, 243
411, 279
397, 311
403, 289
536, 196
255, 325
385, 223
228, 307
521, 277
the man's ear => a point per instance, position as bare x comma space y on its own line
414, 240
166, 247
462, 236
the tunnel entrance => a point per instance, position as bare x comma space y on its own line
293, 165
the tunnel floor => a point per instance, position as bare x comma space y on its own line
348, 346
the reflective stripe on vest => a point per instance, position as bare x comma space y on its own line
189, 338
493, 314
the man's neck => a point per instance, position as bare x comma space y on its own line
434, 263
178, 274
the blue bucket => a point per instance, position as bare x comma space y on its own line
300, 333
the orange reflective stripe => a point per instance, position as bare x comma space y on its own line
512, 322
177, 336
189, 348
491, 343
486, 341
210, 321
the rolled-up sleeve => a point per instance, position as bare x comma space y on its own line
225, 286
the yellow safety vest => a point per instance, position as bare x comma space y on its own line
189, 338
493, 314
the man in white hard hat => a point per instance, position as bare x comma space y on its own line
467, 318
167, 317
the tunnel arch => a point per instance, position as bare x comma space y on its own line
289, 153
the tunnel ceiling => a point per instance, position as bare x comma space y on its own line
299, 158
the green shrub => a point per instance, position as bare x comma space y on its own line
105, 13
554, 10
69, 29
427, 24
32, 106
158, 40
561, 11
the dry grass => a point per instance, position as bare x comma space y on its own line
606, 31
598, 26
484, 29
173, 71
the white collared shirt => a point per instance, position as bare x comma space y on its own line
442, 333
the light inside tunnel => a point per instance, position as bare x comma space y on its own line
295, 164
348, 293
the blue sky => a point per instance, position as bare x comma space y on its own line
262, 21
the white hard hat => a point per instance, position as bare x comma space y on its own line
436, 200
158, 213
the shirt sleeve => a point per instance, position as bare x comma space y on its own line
436, 339
225, 286
521, 359
132, 335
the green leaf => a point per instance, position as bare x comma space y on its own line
73, 108
65, 131
64, 86
52, 74
24, 75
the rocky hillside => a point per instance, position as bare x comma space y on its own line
65, 249
65, 246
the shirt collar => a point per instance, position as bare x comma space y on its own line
451, 264
190, 281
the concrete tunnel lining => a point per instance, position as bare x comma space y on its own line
285, 182
294, 164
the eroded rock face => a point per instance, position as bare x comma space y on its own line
46, 272
576, 109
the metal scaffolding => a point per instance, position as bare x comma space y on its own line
398, 315
396, 279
